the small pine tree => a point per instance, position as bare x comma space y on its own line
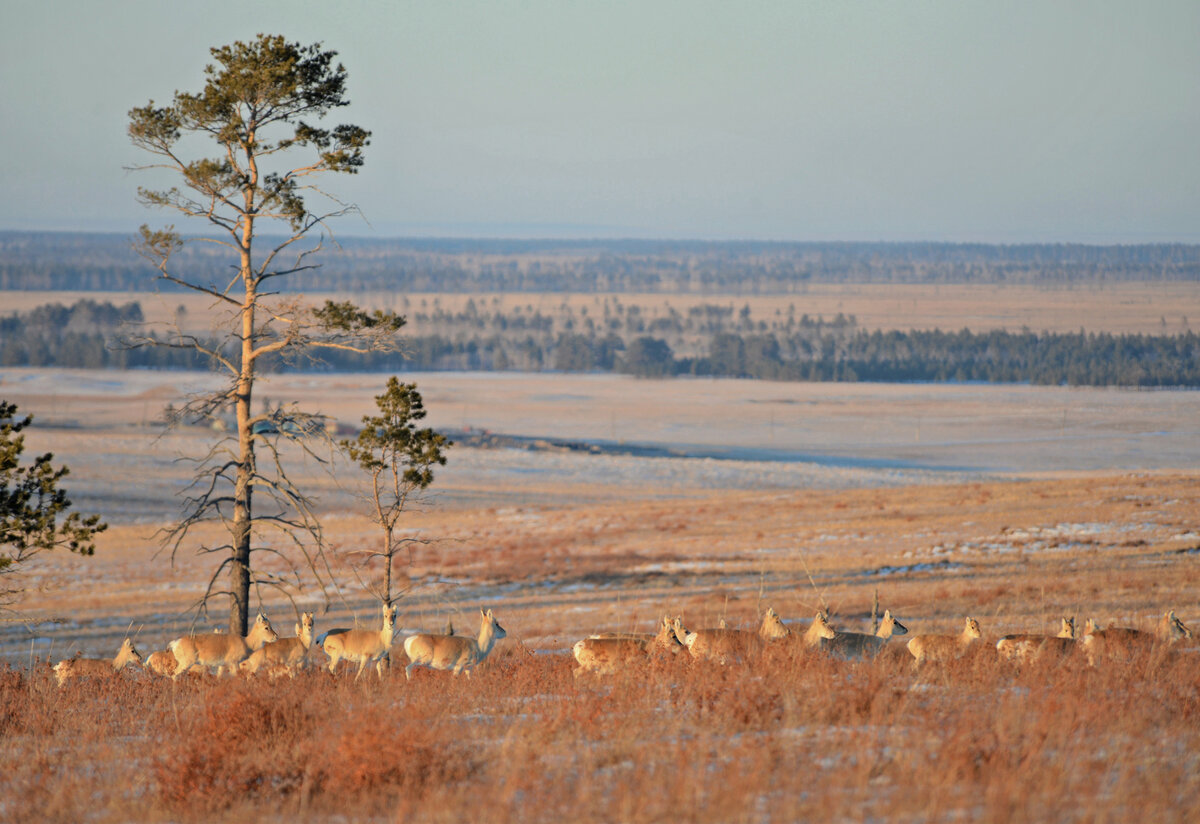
399, 458
34, 513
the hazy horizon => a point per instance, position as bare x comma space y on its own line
939, 121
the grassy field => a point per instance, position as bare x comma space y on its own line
1093, 511
1130, 308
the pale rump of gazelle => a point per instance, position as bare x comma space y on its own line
1018, 647
604, 654
224, 652
728, 645
450, 652
69, 668
1122, 642
860, 644
944, 647
161, 662
285, 656
362, 646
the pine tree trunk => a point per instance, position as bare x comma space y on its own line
239, 573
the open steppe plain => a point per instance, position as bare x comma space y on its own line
1160, 308
1012, 504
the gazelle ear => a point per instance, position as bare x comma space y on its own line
482, 614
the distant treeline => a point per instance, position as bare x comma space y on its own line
103, 262
81, 336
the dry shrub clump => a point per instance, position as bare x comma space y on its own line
311, 740
234, 739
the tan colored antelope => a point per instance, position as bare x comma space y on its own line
77, 667
450, 652
1022, 648
362, 646
729, 645
285, 656
860, 644
944, 647
224, 652
1123, 642
603, 654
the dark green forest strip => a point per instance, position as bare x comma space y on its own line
49, 261
84, 335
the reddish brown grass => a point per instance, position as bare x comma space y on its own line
785, 737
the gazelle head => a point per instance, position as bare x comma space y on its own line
262, 632
666, 639
1090, 627
890, 626
821, 627
1172, 629
971, 629
128, 654
773, 626
486, 619
1067, 629
681, 632
305, 627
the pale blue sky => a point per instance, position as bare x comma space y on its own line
839, 120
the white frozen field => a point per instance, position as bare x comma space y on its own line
729, 434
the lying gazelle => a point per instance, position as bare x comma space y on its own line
944, 647
603, 654
285, 656
225, 652
1032, 647
450, 652
728, 645
362, 646
1122, 642
77, 667
861, 645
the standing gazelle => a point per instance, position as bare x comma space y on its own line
944, 647
450, 652
77, 667
606, 654
1123, 642
1027, 647
222, 651
729, 645
285, 656
362, 646
861, 645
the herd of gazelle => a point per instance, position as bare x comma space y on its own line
606, 652
263, 651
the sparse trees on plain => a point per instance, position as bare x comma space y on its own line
257, 113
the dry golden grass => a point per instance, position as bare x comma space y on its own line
787, 737
790, 736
